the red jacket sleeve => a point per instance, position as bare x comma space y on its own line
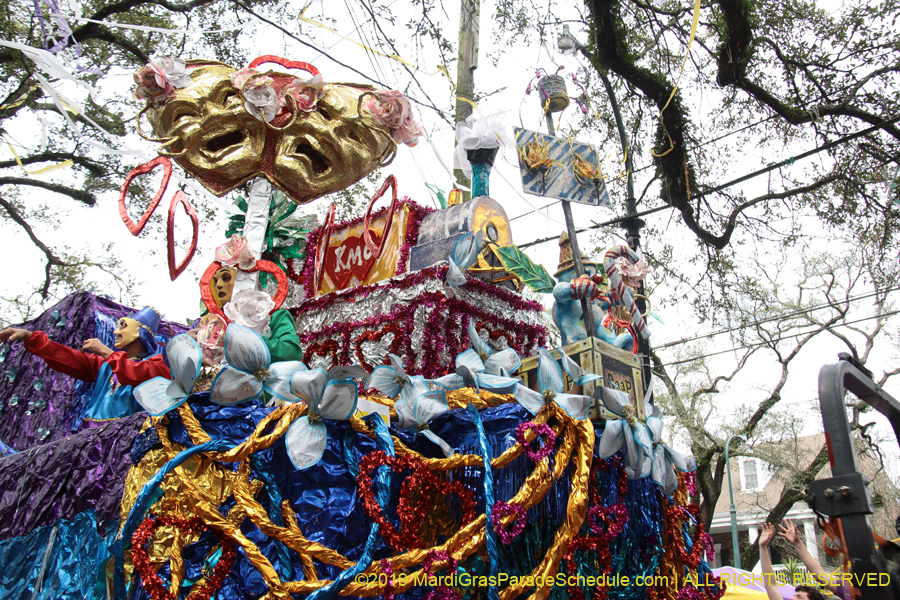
135, 372
74, 363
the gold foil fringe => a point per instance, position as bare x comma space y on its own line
200, 485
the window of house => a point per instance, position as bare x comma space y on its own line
754, 474
751, 481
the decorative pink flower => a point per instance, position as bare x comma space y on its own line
306, 92
157, 80
261, 100
211, 338
391, 108
235, 253
239, 78
409, 133
632, 274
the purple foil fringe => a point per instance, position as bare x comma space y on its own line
66, 477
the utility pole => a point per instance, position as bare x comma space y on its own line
467, 62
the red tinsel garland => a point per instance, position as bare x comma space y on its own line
422, 481
599, 543
373, 336
676, 513
436, 345
150, 578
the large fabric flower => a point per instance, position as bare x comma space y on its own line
465, 253
329, 395
427, 406
491, 373
392, 109
409, 133
157, 80
236, 253
416, 404
389, 380
160, 395
252, 309
260, 98
632, 273
645, 454
305, 92
550, 382
211, 338
248, 370
239, 78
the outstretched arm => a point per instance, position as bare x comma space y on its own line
768, 573
791, 534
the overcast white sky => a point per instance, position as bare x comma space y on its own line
413, 167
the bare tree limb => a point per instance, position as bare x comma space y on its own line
80, 195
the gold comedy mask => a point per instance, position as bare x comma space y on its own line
205, 127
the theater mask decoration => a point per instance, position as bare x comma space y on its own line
226, 126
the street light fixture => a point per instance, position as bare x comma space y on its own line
735, 547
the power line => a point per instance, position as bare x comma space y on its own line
775, 318
786, 337
333, 59
707, 142
741, 179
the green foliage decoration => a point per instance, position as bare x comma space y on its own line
533, 275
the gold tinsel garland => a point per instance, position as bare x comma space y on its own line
200, 485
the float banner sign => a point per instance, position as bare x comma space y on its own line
558, 179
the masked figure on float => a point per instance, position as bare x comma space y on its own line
134, 359
249, 308
567, 294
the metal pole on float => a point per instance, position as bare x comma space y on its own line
632, 224
590, 326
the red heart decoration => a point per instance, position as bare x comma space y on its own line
289, 64
142, 169
374, 336
324, 348
373, 246
261, 265
350, 258
422, 484
182, 199
494, 335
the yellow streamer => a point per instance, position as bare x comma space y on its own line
21, 99
441, 69
687, 53
61, 165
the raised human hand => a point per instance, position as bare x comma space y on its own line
11, 334
790, 532
766, 536
95, 346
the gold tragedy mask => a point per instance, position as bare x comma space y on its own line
206, 129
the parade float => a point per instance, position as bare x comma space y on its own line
369, 407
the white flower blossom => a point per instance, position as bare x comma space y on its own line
251, 309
